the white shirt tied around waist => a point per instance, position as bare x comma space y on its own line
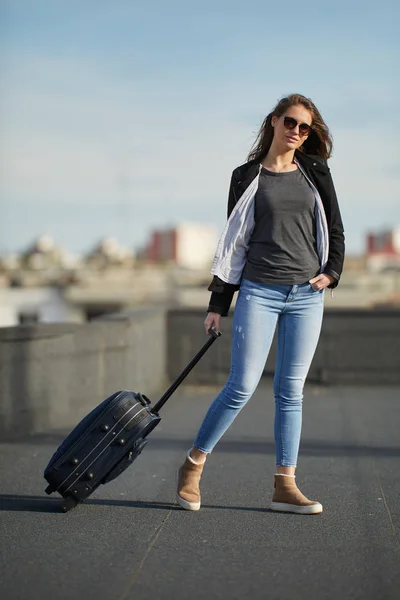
230, 256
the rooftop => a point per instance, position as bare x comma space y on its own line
130, 540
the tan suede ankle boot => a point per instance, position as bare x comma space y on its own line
188, 490
288, 498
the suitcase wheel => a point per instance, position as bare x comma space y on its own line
49, 490
138, 447
68, 503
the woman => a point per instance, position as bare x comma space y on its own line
282, 246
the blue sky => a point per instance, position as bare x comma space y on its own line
121, 117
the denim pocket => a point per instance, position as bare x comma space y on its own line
316, 291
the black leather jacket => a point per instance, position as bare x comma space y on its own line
318, 171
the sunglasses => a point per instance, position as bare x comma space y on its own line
290, 123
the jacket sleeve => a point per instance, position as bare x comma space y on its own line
222, 293
231, 197
334, 265
221, 296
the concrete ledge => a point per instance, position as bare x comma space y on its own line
53, 375
356, 346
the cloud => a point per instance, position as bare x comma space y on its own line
75, 135
85, 143
366, 169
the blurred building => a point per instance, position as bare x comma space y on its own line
43, 255
37, 305
108, 252
383, 250
188, 245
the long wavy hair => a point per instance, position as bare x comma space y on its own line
318, 142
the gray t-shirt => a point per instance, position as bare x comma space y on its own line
283, 243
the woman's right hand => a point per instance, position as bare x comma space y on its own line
212, 320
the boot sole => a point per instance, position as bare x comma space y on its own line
312, 509
185, 503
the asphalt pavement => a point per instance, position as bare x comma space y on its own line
131, 541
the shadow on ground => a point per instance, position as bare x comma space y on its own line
13, 502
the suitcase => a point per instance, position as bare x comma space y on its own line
108, 440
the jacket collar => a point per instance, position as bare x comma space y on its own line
309, 161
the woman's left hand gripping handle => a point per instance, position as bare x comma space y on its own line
212, 322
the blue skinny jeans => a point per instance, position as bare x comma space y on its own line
298, 311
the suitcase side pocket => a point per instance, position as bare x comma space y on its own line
79, 431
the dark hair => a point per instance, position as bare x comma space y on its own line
319, 141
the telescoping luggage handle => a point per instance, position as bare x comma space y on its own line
213, 336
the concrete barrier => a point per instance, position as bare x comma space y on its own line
356, 346
53, 375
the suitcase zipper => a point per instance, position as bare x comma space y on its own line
101, 442
81, 439
102, 452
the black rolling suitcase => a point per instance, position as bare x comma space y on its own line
107, 440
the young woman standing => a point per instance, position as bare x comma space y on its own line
282, 246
